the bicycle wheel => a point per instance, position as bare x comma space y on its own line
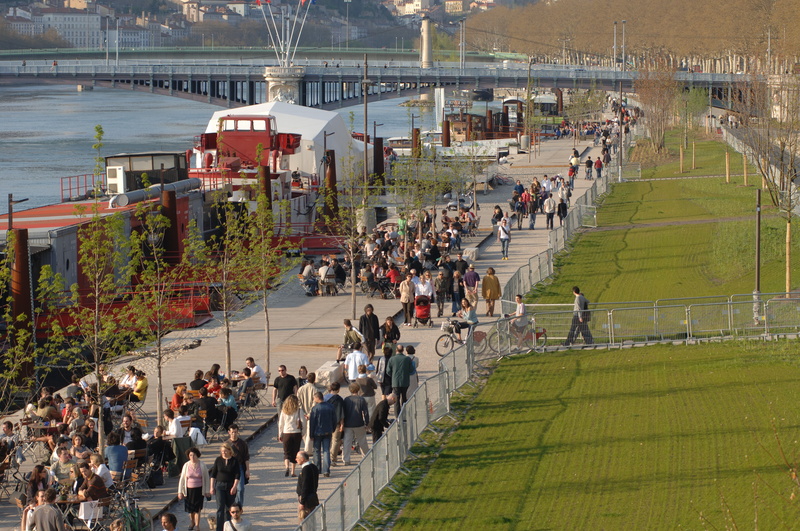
541, 341
444, 345
480, 342
493, 341
528, 339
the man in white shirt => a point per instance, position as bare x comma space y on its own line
256, 372
353, 360
549, 208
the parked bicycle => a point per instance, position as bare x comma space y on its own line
506, 337
448, 342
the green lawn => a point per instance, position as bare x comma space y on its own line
669, 240
645, 438
709, 160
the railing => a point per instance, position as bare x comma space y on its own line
77, 187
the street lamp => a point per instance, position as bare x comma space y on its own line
375, 126
615, 46
623, 46
11, 203
347, 16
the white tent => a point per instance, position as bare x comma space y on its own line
313, 125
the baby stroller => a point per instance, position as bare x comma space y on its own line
422, 311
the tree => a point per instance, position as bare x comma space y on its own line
769, 111
162, 296
656, 90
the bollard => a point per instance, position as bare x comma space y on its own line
681, 159
693, 163
727, 167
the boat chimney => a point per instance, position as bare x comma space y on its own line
169, 208
21, 303
489, 121
559, 100
377, 158
427, 43
331, 210
263, 184
446, 133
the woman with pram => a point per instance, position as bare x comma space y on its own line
423, 297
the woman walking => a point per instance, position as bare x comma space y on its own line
193, 485
390, 334
290, 432
458, 292
224, 481
407, 299
490, 291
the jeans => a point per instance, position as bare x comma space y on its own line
504, 247
240, 489
550, 216
456, 301
322, 446
532, 220
224, 502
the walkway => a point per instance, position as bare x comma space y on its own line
306, 331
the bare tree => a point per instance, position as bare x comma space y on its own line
769, 112
656, 90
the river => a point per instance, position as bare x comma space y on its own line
47, 132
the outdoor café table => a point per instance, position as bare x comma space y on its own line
69, 507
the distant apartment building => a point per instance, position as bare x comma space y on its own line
455, 7
80, 28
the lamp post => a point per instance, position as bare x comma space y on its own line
615, 46
11, 203
375, 126
347, 38
623, 46
365, 83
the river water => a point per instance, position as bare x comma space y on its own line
47, 132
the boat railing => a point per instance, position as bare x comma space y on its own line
79, 187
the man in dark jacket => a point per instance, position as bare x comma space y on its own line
307, 484
338, 405
379, 420
399, 369
368, 326
356, 418
321, 425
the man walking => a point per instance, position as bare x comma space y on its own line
242, 453
379, 420
580, 319
353, 360
321, 424
471, 280
306, 397
307, 484
284, 385
399, 371
338, 407
368, 326
549, 207
356, 418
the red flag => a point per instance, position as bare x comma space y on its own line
258, 2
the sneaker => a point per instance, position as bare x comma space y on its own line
326, 475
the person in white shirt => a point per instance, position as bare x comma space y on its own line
99, 468
424, 286
256, 372
237, 523
353, 360
128, 381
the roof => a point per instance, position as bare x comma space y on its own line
310, 123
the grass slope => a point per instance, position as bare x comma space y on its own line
644, 438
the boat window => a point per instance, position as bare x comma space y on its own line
260, 125
119, 161
167, 160
244, 125
141, 163
228, 125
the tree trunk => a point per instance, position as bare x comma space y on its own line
266, 335
353, 278
159, 381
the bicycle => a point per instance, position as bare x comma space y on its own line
448, 342
529, 338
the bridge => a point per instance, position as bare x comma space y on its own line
325, 85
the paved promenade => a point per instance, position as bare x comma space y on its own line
307, 330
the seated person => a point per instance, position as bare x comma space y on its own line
158, 449
93, 487
226, 400
198, 383
100, 468
209, 405
74, 389
247, 384
115, 453
79, 450
128, 380
60, 469
213, 386
139, 393
177, 398
46, 411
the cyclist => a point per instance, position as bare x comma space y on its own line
519, 322
470, 317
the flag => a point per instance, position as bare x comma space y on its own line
258, 3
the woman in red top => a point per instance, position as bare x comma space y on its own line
213, 386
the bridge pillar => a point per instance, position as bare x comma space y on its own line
427, 43
283, 83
